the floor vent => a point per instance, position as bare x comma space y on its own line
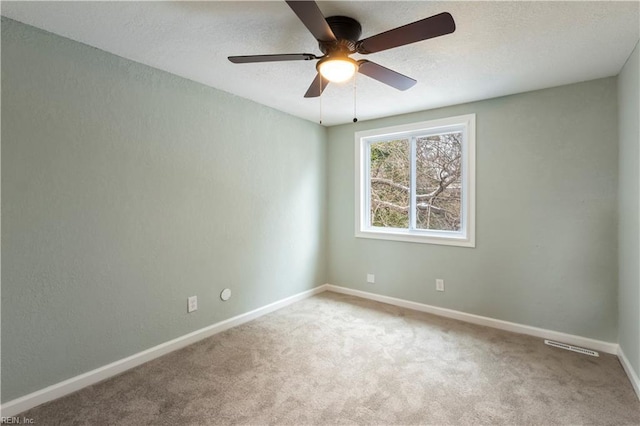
571, 348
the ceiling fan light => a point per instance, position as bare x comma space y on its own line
337, 70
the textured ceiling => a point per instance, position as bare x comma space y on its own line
498, 48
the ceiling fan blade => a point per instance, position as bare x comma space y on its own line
385, 75
317, 87
309, 13
272, 58
434, 26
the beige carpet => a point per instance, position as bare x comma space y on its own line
335, 359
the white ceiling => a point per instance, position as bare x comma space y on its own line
498, 48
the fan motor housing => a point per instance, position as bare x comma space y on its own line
347, 31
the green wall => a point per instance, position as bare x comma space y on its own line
126, 190
629, 229
546, 216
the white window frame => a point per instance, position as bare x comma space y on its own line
465, 237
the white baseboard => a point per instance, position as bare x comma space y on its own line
598, 345
633, 376
73, 384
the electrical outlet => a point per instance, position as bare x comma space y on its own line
192, 304
440, 285
371, 279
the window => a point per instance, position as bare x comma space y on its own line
416, 182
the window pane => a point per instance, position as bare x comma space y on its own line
390, 179
439, 182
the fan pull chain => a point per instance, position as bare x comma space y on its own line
320, 84
355, 119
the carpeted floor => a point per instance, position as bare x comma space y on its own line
336, 359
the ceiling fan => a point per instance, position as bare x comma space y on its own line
338, 37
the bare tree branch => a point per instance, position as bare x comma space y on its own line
425, 206
421, 206
380, 203
391, 183
428, 196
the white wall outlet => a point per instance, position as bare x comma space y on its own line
192, 304
439, 284
371, 279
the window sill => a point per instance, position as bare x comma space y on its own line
438, 238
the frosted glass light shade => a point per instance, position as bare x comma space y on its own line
337, 70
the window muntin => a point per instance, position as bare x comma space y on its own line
416, 182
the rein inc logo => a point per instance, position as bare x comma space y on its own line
16, 421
